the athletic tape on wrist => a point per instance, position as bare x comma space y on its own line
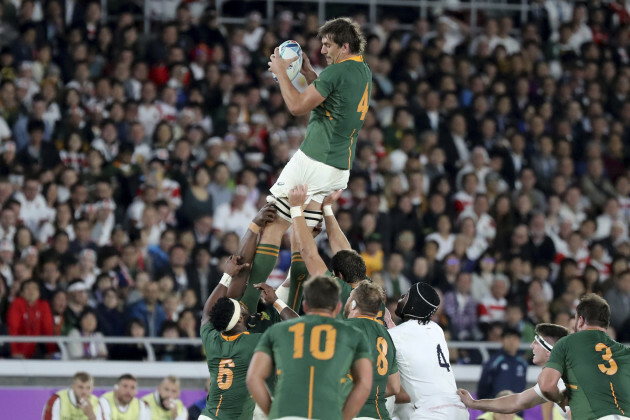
328, 210
296, 211
279, 305
226, 279
254, 227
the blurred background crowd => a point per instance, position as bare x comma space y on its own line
493, 164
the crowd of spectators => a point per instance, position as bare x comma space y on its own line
493, 164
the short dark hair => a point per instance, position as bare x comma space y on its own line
321, 292
369, 297
510, 332
349, 265
126, 376
221, 313
595, 310
553, 332
344, 31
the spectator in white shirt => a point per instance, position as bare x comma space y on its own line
234, 216
34, 210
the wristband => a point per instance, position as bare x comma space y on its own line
226, 280
296, 211
279, 305
254, 227
328, 210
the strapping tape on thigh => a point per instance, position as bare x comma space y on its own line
313, 217
282, 207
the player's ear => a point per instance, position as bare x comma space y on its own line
337, 308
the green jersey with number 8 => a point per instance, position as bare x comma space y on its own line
384, 355
333, 127
228, 359
311, 355
596, 371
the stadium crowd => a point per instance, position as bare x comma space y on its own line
491, 165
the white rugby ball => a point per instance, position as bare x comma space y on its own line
288, 50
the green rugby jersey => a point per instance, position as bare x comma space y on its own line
311, 355
228, 359
384, 356
596, 370
333, 127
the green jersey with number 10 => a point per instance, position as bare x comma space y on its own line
311, 355
596, 371
333, 127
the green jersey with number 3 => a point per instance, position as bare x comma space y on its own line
333, 127
596, 371
311, 355
228, 359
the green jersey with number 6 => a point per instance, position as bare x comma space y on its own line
333, 127
228, 359
596, 371
311, 355
384, 355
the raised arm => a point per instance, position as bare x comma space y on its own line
504, 405
297, 103
336, 238
269, 297
231, 270
242, 289
305, 242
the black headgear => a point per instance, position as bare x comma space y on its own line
422, 302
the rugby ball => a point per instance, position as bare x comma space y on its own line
288, 50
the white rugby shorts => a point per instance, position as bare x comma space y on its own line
322, 179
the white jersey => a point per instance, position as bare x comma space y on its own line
562, 387
423, 362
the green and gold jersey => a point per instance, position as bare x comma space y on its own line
333, 127
384, 356
346, 289
228, 359
311, 355
596, 370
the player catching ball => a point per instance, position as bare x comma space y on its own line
338, 101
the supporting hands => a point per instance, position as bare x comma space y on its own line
332, 198
267, 293
266, 215
298, 195
232, 266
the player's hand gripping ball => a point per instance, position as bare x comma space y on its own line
288, 50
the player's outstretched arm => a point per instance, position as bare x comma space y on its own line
306, 243
336, 238
548, 383
393, 384
259, 370
362, 378
504, 405
232, 268
297, 103
269, 297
